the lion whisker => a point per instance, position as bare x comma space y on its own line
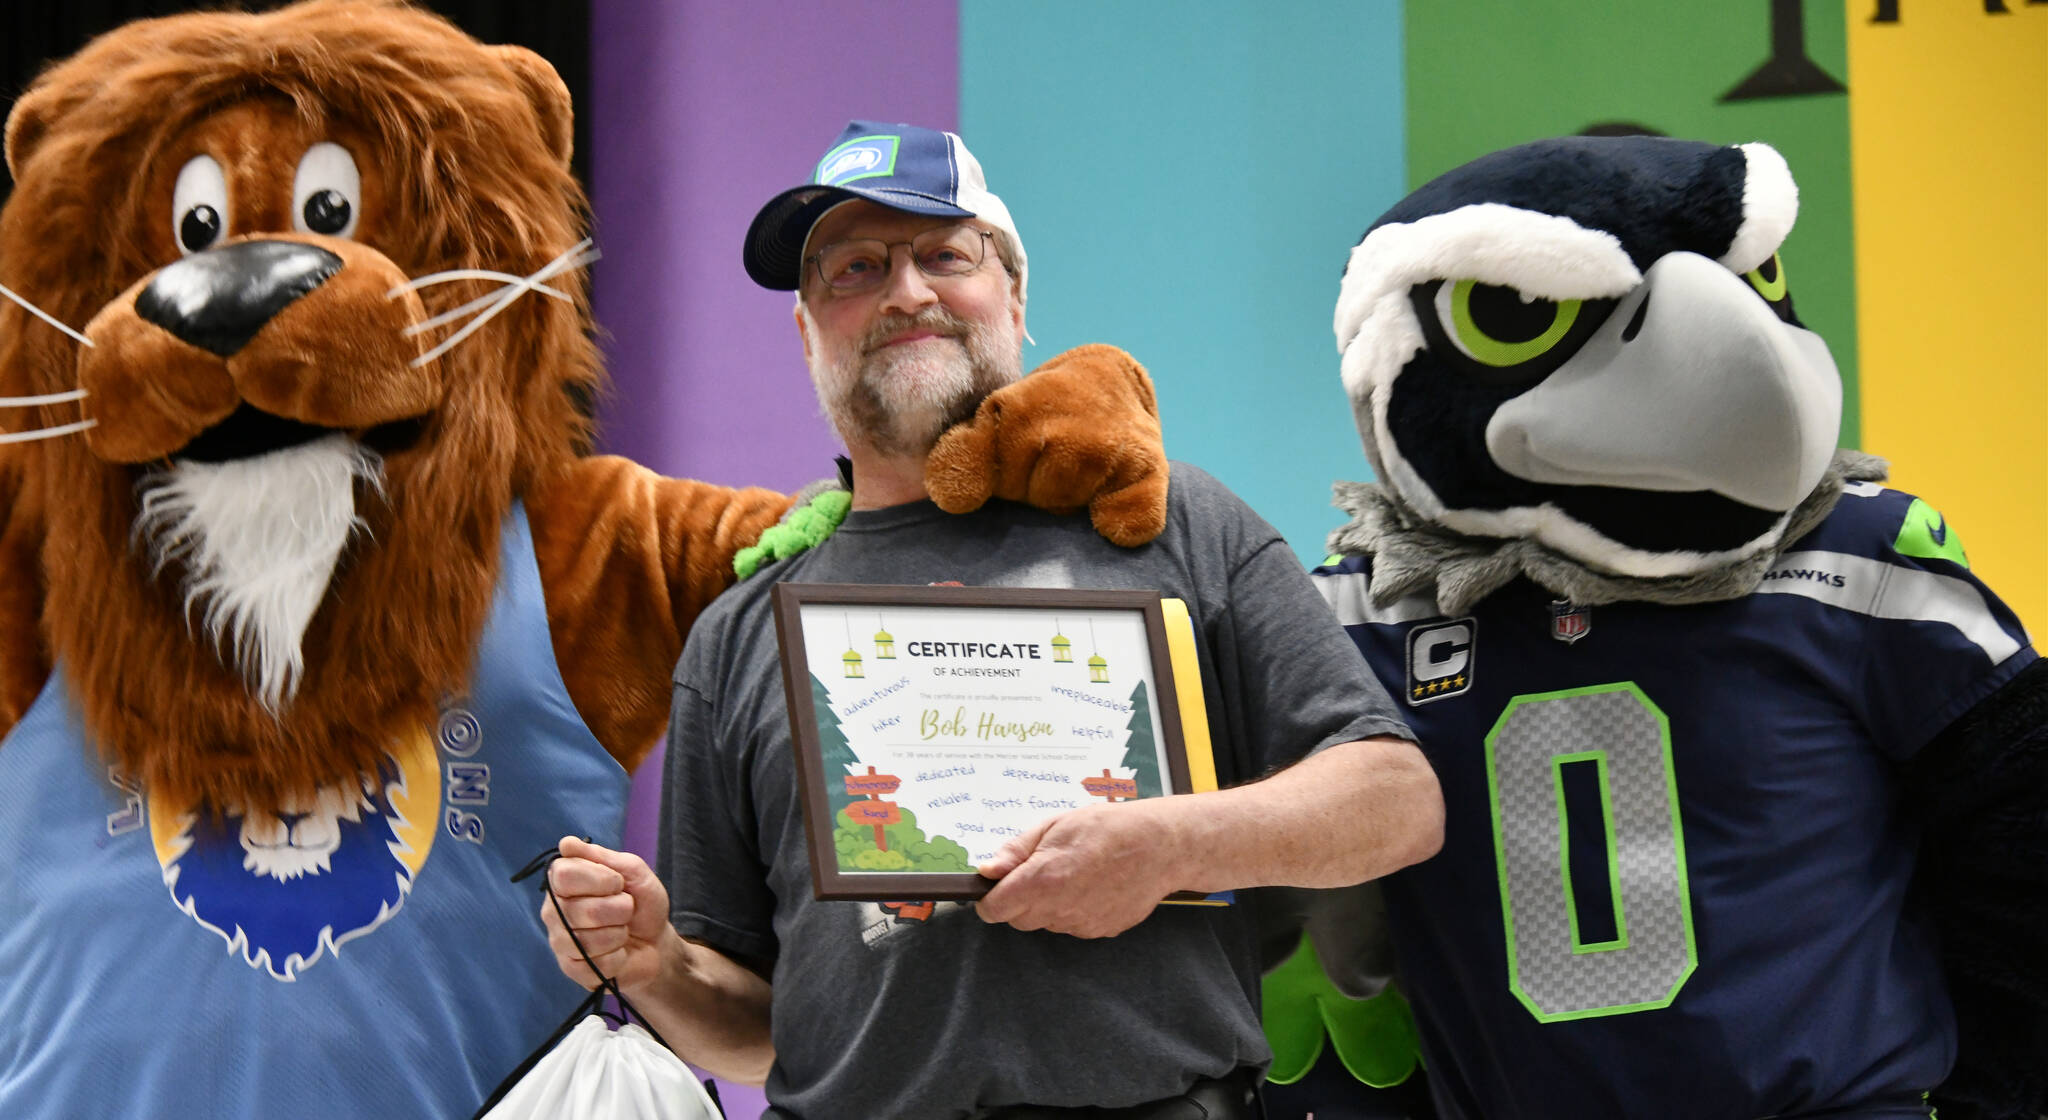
499, 303
46, 398
41, 314
455, 274
572, 257
577, 255
478, 304
47, 433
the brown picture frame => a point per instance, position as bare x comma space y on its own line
829, 878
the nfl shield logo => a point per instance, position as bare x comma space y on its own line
1569, 623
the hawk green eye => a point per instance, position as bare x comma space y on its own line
1768, 279
1501, 327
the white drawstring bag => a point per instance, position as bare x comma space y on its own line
597, 1073
588, 1071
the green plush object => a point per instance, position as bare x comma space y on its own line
1375, 1038
806, 527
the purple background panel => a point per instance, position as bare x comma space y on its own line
701, 113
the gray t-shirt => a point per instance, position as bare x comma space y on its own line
892, 1011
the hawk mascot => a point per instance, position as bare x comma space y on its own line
1746, 772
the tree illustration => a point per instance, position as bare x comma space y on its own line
909, 850
833, 750
1142, 755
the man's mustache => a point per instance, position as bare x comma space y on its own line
935, 319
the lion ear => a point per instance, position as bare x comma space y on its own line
549, 95
27, 125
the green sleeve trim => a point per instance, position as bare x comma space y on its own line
1926, 534
803, 529
1374, 1038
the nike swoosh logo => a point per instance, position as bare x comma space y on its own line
1939, 530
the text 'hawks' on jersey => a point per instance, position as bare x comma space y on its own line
1665, 827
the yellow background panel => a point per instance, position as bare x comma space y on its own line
1948, 140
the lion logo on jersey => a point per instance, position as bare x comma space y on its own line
285, 888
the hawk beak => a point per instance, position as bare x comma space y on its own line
1703, 389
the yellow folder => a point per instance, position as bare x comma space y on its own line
1194, 716
1187, 686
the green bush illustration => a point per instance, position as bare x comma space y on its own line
874, 859
909, 849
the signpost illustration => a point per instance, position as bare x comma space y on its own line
874, 810
1112, 789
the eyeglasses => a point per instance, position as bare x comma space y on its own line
863, 263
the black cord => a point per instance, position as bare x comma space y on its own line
591, 1005
627, 1012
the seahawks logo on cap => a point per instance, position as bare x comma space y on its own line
865, 158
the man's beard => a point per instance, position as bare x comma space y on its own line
897, 400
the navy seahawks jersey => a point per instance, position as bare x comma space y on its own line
1677, 851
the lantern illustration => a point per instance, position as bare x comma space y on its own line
885, 643
1062, 649
851, 660
1098, 669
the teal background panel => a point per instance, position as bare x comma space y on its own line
1188, 180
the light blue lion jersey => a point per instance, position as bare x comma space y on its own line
1677, 851
368, 959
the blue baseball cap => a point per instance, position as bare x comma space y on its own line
900, 166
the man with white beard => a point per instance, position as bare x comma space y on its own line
1067, 991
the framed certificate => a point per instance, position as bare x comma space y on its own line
931, 724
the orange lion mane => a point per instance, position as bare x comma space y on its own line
470, 170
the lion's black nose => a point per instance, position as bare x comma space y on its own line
219, 299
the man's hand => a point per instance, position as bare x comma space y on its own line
1352, 812
1091, 872
1081, 430
708, 1006
618, 908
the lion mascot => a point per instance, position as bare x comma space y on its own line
1745, 769
316, 618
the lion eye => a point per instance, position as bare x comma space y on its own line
327, 192
199, 205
